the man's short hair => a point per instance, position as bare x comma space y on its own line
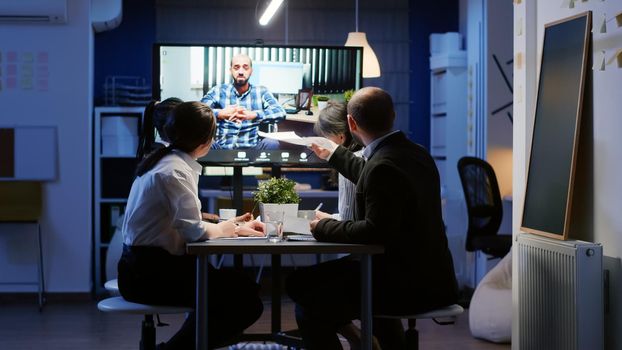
250, 60
372, 109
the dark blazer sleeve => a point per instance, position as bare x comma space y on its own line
347, 164
383, 210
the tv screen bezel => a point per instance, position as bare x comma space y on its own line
221, 157
526, 227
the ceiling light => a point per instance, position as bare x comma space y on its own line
270, 11
371, 67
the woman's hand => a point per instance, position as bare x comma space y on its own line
244, 218
235, 228
227, 229
253, 228
325, 150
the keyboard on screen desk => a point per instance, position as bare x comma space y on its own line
300, 238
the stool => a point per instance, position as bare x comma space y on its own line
20, 203
147, 338
412, 335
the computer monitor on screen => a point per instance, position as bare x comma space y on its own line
557, 121
278, 77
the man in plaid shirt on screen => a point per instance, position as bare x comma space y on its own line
241, 107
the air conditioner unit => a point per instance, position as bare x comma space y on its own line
43, 11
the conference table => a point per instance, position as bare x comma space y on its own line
261, 246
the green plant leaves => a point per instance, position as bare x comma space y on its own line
278, 191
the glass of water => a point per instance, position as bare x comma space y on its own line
274, 226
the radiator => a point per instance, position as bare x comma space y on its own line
560, 294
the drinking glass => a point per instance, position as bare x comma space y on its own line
274, 226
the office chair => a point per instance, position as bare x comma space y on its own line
484, 208
113, 254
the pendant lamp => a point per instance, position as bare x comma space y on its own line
371, 67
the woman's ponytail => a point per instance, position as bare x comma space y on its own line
146, 138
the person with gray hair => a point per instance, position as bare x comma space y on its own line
332, 123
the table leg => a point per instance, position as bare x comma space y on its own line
366, 303
276, 293
201, 302
238, 262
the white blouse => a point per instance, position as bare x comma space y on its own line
163, 208
347, 195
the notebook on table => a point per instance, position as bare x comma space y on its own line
300, 238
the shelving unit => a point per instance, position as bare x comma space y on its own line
115, 141
450, 132
448, 107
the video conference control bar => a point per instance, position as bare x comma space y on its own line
298, 157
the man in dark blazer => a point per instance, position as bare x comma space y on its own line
398, 206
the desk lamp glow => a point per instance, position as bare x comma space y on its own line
371, 67
270, 11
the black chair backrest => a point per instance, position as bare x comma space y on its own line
483, 200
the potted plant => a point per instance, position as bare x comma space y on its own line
322, 101
347, 95
277, 195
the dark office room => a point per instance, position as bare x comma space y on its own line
288, 174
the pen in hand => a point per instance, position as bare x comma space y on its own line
319, 206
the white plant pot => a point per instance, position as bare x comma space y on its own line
288, 210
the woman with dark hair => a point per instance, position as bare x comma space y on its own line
162, 215
155, 116
332, 123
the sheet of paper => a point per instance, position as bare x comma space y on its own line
293, 138
281, 136
296, 225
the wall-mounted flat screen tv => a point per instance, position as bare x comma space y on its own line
293, 76
557, 120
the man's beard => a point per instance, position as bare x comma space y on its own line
240, 81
